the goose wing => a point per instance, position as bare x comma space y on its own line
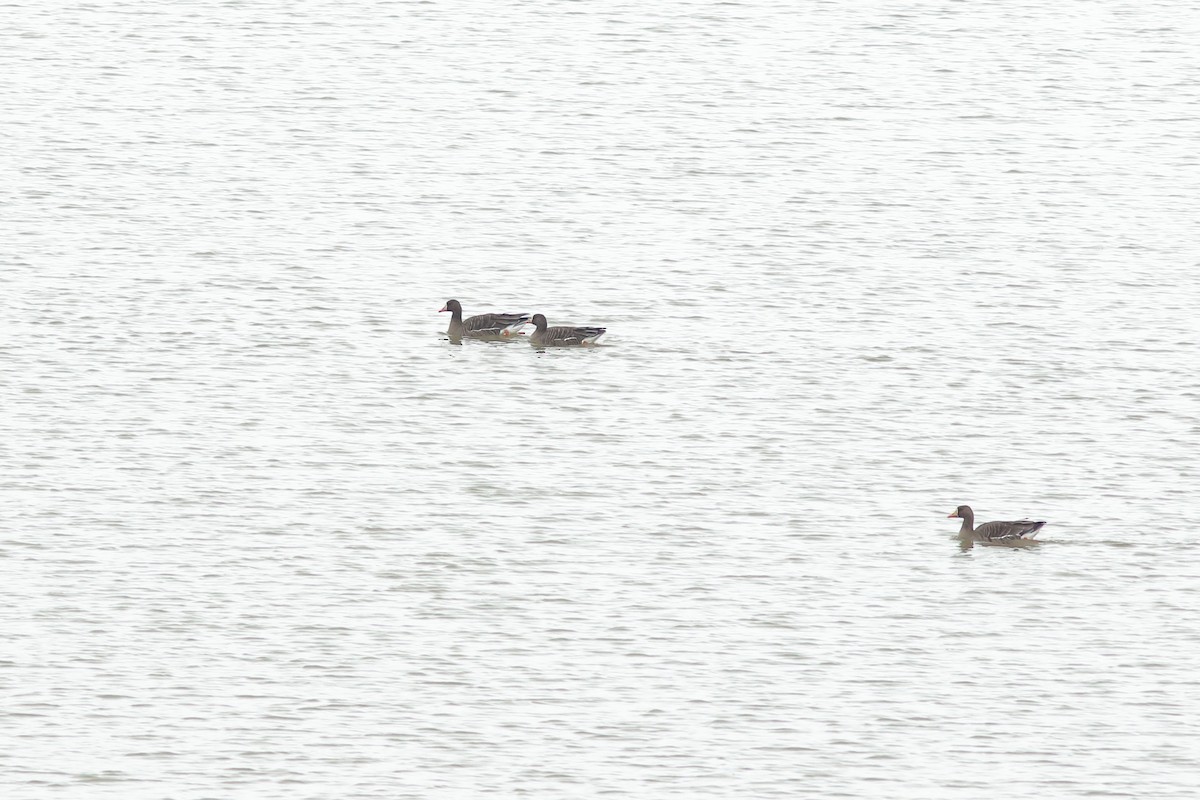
565, 334
1001, 531
494, 324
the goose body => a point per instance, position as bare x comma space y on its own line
562, 335
995, 531
482, 325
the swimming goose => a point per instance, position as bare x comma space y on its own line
481, 324
995, 531
562, 334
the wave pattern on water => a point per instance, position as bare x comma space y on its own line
269, 534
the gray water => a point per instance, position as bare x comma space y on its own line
267, 533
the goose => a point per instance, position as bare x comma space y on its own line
995, 531
481, 324
562, 334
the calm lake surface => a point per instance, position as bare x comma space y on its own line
267, 533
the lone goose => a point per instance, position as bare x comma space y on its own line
481, 324
562, 334
995, 531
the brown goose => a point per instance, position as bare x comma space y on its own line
562, 334
995, 531
481, 324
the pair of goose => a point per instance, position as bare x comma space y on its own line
995, 531
486, 326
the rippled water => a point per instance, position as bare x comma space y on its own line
267, 533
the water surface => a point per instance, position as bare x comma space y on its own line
267, 533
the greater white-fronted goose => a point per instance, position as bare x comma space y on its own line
562, 334
481, 324
995, 531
